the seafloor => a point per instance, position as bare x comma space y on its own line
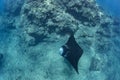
32, 31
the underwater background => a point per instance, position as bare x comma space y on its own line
32, 31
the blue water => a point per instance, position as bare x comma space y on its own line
1, 6
111, 7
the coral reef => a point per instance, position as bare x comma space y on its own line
37, 29
43, 18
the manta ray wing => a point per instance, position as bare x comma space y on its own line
72, 52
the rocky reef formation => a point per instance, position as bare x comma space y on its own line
43, 18
37, 28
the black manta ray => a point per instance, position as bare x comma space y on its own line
72, 52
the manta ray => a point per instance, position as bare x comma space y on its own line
72, 52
